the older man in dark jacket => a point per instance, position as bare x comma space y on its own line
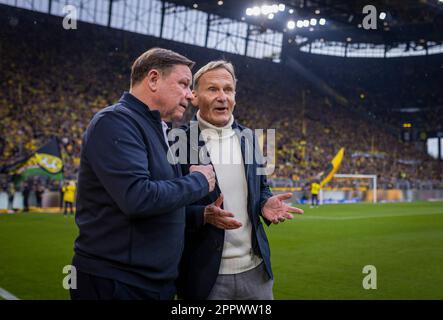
131, 200
227, 253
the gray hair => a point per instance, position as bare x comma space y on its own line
219, 64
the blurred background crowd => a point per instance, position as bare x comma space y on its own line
52, 82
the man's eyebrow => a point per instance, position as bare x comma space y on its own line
215, 83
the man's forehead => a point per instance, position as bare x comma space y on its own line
181, 70
216, 76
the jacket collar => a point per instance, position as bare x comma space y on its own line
135, 104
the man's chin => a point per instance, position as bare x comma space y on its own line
221, 121
177, 116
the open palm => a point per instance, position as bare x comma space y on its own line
275, 210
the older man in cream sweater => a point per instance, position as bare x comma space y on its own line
226, 252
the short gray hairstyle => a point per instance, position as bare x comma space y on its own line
218, 64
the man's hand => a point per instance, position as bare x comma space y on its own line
220, 218
208, 172
275, 210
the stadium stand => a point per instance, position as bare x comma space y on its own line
53, 81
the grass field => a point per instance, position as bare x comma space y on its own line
319, 255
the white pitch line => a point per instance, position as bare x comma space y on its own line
7, 295
315, 217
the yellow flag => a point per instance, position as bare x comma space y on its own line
333, 167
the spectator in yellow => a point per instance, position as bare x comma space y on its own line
315, 189
68, 197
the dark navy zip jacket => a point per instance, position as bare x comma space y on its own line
131, 201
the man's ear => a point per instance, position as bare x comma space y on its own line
194, 99
152, 79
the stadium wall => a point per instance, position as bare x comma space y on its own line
353, 196
51, 199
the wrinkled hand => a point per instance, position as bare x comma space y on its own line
220, 218
275, 210
208, 172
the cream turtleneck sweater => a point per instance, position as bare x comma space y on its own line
224, 149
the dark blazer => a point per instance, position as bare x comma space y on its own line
204, 242
131, 200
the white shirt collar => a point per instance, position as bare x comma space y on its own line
165, 132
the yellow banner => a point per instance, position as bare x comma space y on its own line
333, 167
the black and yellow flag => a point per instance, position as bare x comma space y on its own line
46, 161
331, 168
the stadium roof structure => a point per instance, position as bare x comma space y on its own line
272, 29
414, 27
401, 20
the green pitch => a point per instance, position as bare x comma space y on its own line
319, 255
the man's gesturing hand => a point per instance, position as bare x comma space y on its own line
275, 210
220, 218
208, 172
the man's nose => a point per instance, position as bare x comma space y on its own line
222, 96
188, 94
